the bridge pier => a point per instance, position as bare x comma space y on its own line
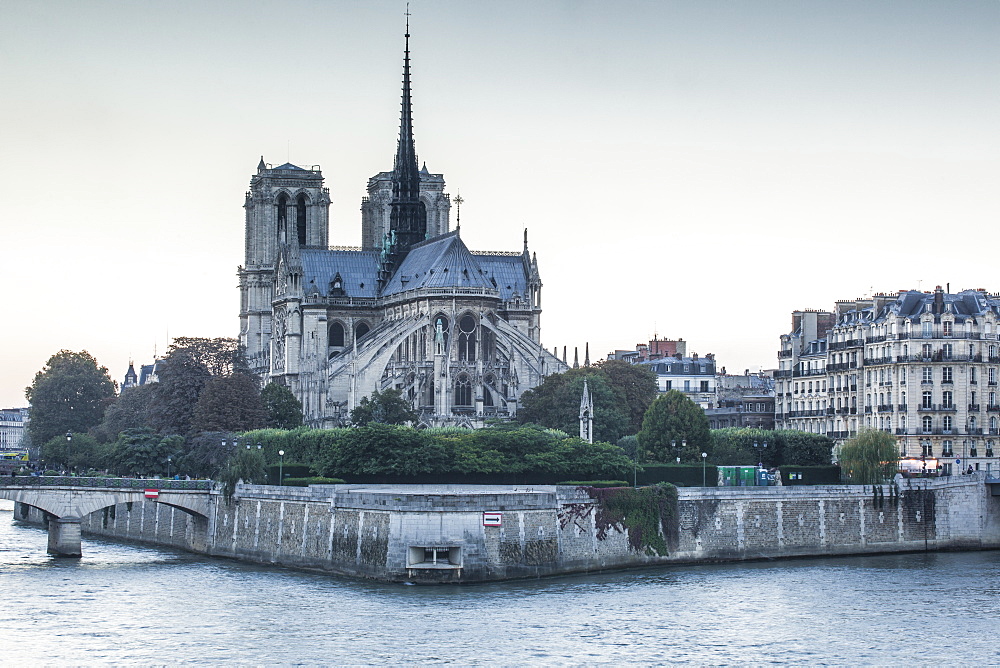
64, 537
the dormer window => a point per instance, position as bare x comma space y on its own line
337, 286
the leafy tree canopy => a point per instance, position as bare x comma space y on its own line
556, 404
70, 393
79, 452
220, 356
386, 407
129, 411
283, 410
637, 384
675, 426
143, 452
870, 458
746, 447
229, 403
181, 379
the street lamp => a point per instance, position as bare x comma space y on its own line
69, 436
704, 458
168, 467
281, 467
760, 453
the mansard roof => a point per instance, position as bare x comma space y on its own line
358, 269
439, 262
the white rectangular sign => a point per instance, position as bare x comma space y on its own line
492, 519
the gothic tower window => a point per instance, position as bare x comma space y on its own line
282, 207
361, 330
300, 219
467, 339
463, 391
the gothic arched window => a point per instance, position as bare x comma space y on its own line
467, 339
282, 207
463, 391
300, 218
361, 330
336, 335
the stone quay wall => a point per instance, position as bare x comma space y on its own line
424, 533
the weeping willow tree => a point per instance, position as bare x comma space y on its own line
870, 458
246, 465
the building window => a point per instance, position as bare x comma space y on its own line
947, 325
463, 391
946, 399
946, 376
928, 375
704, 386
946, 351
361, 330
926, 329
926, 352
993, 375
946, 449
336, 335
946, 424
926, 400
300, 219
467, 339
927, 424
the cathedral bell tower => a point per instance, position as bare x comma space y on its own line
285, 206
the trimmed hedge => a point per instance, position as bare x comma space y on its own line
683, 475
810, 475
314, 480
595, 483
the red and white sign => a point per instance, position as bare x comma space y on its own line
492, 519
152, 493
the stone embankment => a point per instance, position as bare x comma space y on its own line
468, 533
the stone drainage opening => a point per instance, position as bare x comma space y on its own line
432, 558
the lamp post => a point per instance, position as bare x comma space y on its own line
760, 449
704, 459
168, 467
281, 467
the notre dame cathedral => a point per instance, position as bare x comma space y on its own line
456, 331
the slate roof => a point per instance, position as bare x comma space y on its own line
290, 166
439, 262
507, 271
358, 269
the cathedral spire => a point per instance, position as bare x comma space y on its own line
407, 215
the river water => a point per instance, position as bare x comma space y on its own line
123, 604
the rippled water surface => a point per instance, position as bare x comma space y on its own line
135, 605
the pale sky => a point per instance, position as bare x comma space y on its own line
695, 169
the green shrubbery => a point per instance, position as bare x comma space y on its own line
595, 483
390, 453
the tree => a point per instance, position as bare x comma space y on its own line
80, 451
70, 393
556, 404
870, 458
672, 420
220, 356
283, 410
144, 452
206, 454
182, 378
637, 384
229, 403
129, 411
386, 407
